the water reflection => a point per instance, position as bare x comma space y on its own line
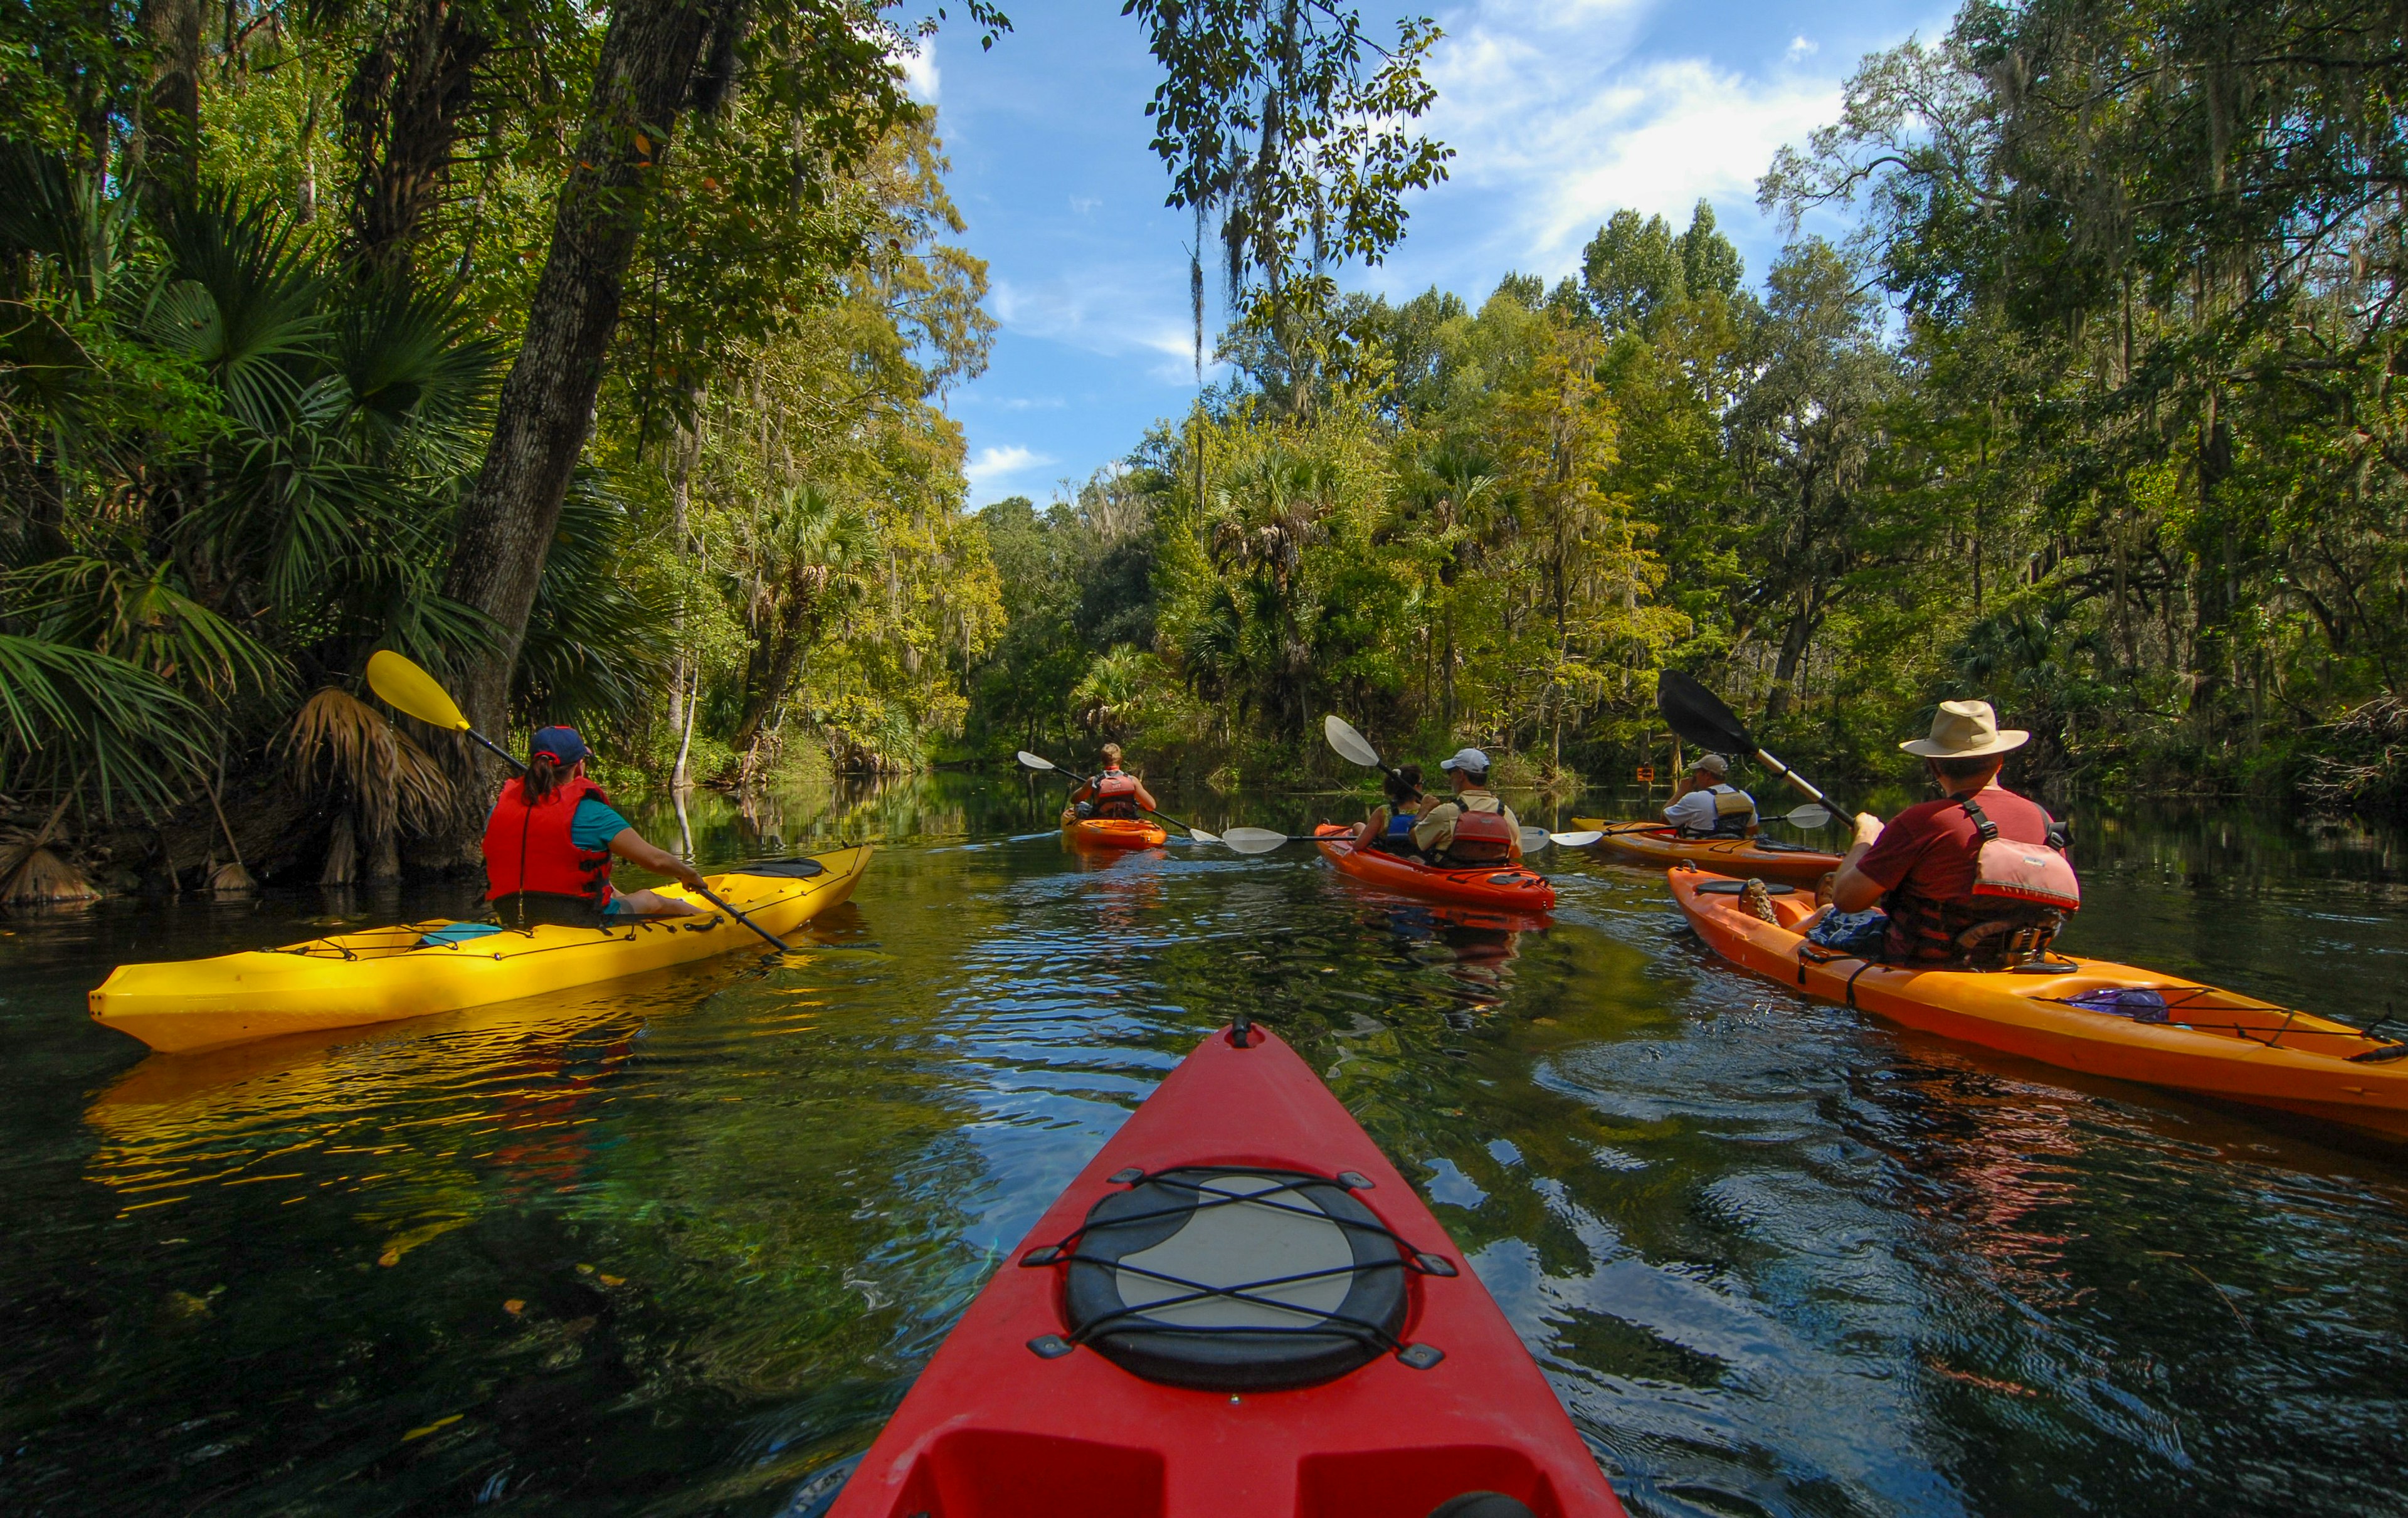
669, 1245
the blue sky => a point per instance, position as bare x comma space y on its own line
1559, 111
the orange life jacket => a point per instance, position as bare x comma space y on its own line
1116, 794
528, 848
1481, 838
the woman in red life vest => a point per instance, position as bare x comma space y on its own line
1113, 793
549, 842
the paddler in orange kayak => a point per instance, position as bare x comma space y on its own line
1390, 826
1973, 880
1706, 805
1115, 796
1473, 826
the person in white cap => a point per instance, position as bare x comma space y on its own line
1932, 868
1705, 805
1473, 826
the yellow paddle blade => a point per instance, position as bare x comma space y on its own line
408, 688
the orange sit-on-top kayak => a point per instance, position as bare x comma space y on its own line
1113, 832
2083, 1014
1512, 888
1652, 843
1238, 1309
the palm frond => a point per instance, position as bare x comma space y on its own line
73, 717
141, 615
247, 305
596, 648
338, 740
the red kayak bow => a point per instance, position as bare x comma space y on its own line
1238, 1309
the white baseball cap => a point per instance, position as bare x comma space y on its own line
1471, 759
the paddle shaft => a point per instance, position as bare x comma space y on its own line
1804, 786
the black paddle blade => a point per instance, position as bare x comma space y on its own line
1698, 715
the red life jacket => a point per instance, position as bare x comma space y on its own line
529, 847
1116, 794
1481, 837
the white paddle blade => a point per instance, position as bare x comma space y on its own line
1581, 840
1535, 838
1202, 836
1036, 761
1253, 840
1351, 745
1810, 816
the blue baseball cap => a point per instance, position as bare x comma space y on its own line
561, 745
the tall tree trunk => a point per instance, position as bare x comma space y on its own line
1793, 651
168, 146
546, 409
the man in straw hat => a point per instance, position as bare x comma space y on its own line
1923, 867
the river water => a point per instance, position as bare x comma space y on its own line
671, 1245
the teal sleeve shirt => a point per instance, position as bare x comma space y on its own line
595, 825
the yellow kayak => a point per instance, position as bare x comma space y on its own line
380, 975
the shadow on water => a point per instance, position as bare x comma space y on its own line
671, 1244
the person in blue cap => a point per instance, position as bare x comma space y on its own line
551, 841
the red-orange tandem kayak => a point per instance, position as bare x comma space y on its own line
1648, 843
1512, 888
2092, 1015
1114, 833
1238, 1309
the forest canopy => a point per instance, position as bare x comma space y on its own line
597, 360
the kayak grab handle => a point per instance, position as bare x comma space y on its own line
1241, 1032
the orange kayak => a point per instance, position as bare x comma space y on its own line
1649, 843
1113, 832
1512, 888
2097, 1016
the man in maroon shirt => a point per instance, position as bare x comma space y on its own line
1921, 869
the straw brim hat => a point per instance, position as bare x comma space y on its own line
1966, 730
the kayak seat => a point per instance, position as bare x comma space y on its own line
1482, 1505
1231, 1278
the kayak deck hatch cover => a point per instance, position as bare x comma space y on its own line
1239, 1307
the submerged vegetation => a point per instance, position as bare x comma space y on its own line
596, 361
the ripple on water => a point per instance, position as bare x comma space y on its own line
669, 1245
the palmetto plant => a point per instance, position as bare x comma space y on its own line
339, 744
226, 462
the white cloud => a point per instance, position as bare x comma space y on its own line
920, 71
1110, 310
1802, 47
1558, 119
993, 465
